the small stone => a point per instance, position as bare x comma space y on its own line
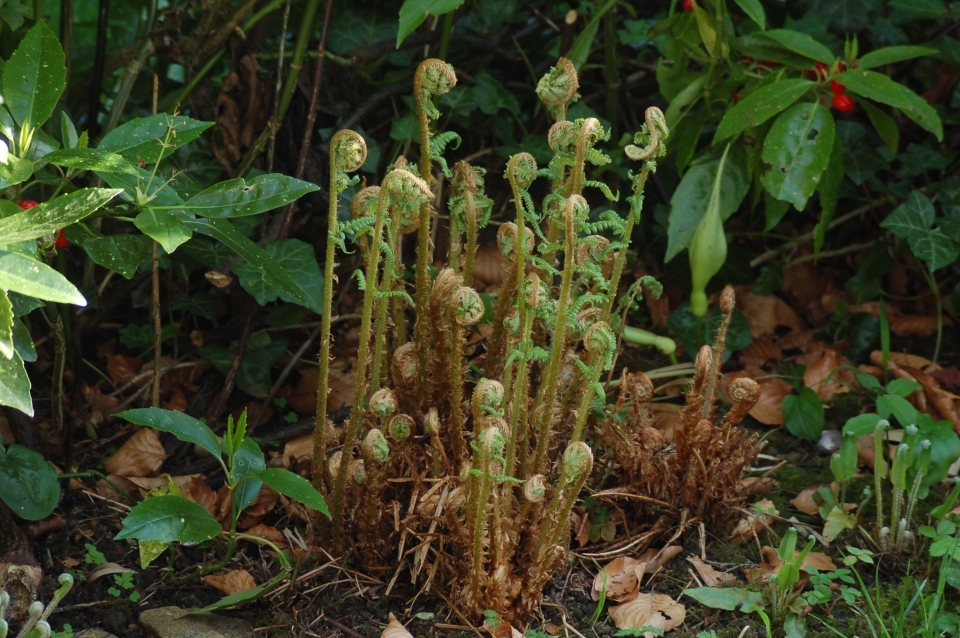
830, 441
165, 622
94, 633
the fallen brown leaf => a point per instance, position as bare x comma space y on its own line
649, 610
916, 325
395, 629
768, 408
271, 534
232, 582
818, 560
621, 576
753, 523
122, 369
766, 314
302, 398
710, 576
759, 352
142, 454
821, 375
805, 503
499, 628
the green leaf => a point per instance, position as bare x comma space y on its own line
139, 139
682, 323
798, 147
239, 197
801, 43
49, 217
691, 197
296, 487
248, 462
270, 271
239, 598
22, 341
892, 55
152, 185
903, 387
263, 350
36, 279
16, 171
492, 95
861, 424
913, 218
580, 49
182, 426
297, 259
167, 519
837, 521
7, 126
879, 87
121, 253
754, 11
90, 159
886, 127
68, 132
803, 414
727, 598
414, 12
28, 483
34, 77
936, 249
829, 189
6, 326
760, 106
169, 230
15, 384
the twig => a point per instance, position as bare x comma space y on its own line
773, 252
231, 379
824, 254
142, 390
341, 627
311, 118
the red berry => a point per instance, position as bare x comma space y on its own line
27, 204
769, 63
836, 87
746, 58
843, 102
810, 74
822, 70
61, 242
736, 97
688, 5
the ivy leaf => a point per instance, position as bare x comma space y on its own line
912, 218
36, 279
263, 350
35, 76
121, 253
492, 96
299, 262
798, 147
167, 519
935, 248
803, 414
414, 12
760, 106
28, 484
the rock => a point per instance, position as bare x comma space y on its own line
93, 633
165, 622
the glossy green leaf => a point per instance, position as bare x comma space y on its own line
152, 185
912, 218
7, 126
879, 87
36, 279
49, 217
15, 385
182, 426
861, 424
836, 522
139, 139
167, 519
728, 598
296, 487
414, 12
169, 230
763, 48
28, 483
886, 127
34, 77
689, 202
298, 260
944, 451
798, 147
15, 171
903, 387
239, 197
239, 598
270, 271
22, 341
803, 414
802, 44
120, 253
68, 132
6, 326
248, 462
829, 189
760, 106
892, 55
754, 11
90, 159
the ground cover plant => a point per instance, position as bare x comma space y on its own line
512, 318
